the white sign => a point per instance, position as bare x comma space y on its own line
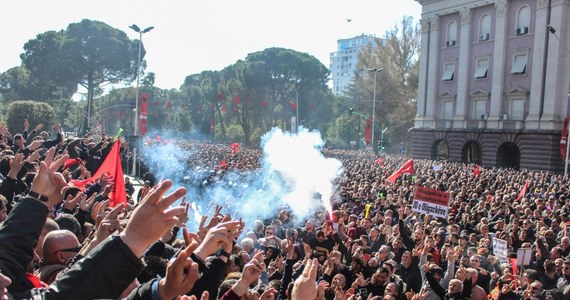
436, 167
523, 256
431, 202
500, 248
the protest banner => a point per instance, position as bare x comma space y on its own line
431, 202
500, 248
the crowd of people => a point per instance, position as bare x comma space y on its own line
58, 241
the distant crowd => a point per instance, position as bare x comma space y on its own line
505, 234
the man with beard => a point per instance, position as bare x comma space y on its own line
377, 284
409, 272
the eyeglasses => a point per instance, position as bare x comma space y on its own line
269, 233
74, 249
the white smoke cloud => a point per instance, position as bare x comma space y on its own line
294, 174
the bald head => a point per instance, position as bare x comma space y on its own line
57, 246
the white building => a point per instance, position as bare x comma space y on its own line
344, 60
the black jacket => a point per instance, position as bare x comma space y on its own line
104, 273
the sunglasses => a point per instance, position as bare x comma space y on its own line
74, 249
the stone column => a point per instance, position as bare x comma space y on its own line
432, 74
558, 68
463, 72
498, 63
538, 66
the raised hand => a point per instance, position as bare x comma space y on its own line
71, 202
220, 236
47, 181
181, 273
86, 203
16, 163
305, 286
154, 209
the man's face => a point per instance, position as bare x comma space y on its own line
391, 289
406, 259
566, 269
381, 278
565, 242
454, 287
474, 261
338, 281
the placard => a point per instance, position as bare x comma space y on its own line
431, 202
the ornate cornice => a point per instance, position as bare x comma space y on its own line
501, 6
425, 25
559, 2
465, 14
434, 21
541, 4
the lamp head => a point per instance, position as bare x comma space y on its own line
148, 29
135, 28
551, 29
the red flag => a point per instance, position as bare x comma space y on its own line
236, 100
368, 131
490, 198
223, 165
111, 168
265, 103
143, 113
169, 104
523, 191
563, 139
293, 105
235, 147
408, 167
477, 171
220, 96
224, 108
513, 262
379, 161
71, 162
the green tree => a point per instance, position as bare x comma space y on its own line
396, 85
88, 53
36, 112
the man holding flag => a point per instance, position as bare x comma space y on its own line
111, 169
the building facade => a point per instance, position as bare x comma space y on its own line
343, 61
494, 82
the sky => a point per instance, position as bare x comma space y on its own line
194, 36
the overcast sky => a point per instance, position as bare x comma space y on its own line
193, 36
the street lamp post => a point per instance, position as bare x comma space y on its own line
375, 71
553, 31
136, 119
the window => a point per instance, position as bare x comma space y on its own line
479, 108
447, 113
519, 63
448, 71
485, 27
451, 33
517, 108
523, 20
481, 67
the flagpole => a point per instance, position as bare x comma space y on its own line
567, 150
297, 111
